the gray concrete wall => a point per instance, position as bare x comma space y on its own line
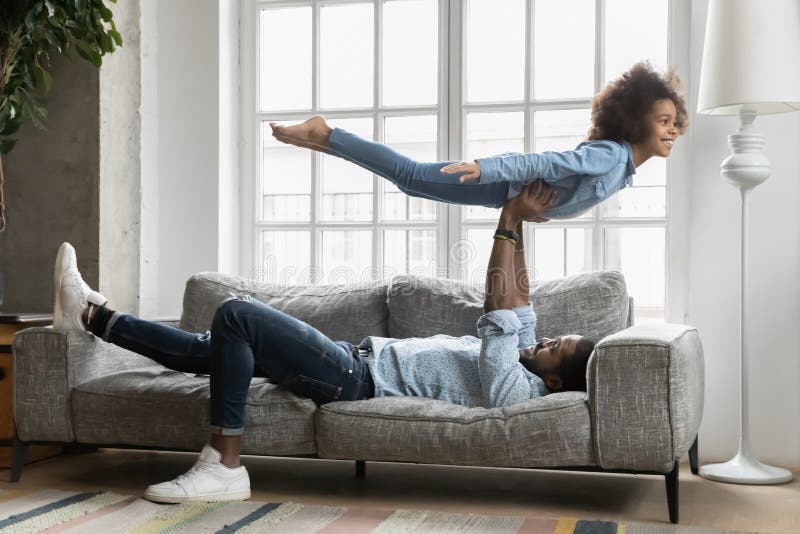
120, 186
79, 181
52, 192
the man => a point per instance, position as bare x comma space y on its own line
503, 366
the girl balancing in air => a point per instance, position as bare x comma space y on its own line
635, 117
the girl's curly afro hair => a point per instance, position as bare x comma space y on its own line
620, 110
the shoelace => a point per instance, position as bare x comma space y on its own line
196, 468
79, 287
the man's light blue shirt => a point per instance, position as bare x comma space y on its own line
471, 371
583, 177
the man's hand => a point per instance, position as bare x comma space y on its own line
471, 170
534, 199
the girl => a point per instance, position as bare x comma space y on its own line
635, 117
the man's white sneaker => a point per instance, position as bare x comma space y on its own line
207, 481
72, 294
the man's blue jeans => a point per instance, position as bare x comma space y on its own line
424, 180
249, 338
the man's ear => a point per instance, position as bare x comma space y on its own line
553, 382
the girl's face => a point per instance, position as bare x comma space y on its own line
663, 132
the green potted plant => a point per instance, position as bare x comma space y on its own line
31, 31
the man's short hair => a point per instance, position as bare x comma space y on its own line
573, 366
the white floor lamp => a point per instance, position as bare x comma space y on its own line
750, 67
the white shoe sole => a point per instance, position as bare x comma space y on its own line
58, 318
211, 497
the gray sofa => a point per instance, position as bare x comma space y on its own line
640, 414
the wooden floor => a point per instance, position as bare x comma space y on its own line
459, 489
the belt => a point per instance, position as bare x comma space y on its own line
362, 352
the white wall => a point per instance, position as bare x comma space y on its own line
774, 307
186, 145
228, 252
149, 264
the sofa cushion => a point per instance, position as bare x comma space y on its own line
154, 406
591, 304
546, 432
342, 312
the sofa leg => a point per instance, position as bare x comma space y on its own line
693, 456
361, 468
17, 460
671, 479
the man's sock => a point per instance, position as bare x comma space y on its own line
99, 320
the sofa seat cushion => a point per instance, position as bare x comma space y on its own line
550, 431
346, 312
154, 406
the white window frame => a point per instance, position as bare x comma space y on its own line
450, 225
377, 112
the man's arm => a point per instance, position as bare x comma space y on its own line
522, 284
501, 293
507, 283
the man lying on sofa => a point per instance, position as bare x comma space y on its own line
504, 365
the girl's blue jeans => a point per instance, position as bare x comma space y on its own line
249, 338
424, 180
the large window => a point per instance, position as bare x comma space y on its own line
441, 80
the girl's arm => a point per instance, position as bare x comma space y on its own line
593, 158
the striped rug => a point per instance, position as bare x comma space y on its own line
69, 512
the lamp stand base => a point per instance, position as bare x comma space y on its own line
743, 469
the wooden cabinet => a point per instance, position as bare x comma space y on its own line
10, 324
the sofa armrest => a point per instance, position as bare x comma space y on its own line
48, 365
645, 389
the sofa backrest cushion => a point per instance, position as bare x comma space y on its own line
591, 304
342, 312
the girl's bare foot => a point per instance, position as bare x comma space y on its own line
313, 133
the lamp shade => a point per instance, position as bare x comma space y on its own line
751, 57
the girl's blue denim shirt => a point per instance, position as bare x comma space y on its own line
582, 178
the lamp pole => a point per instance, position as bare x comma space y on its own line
746, 168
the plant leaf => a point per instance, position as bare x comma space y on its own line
105, 13
44, 82
6, 145
116, 36
29, 18
10, 127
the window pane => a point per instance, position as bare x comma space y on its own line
404, 54
285, 180
474, 252
291, 65
346, 187
346, 256
548, 253
409, 252
489, 134
651, 172
285, 257
346, 56
416, 138
560, 130
637, 202
640, 254
495, 62
634, 21
563, 53
579, 251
